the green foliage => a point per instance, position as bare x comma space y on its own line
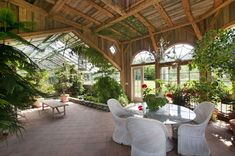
95, 57
149, 73
40, 80
69, 80
215, 52
155, 102
15, 91
106, 88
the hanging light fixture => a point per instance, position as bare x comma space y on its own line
162, 45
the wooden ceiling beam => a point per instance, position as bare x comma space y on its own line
29, 6
216, 4
80, 14
188, 13
46, 32
131, 12
58, 5
114, 7
93, 45
163, 14
145, 22
101, 9
68, 22
154, 43
200, 18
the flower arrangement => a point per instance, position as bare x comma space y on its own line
154, 102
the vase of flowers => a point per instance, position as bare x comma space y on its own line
153, 102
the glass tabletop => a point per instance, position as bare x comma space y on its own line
171, 114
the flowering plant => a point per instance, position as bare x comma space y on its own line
154, 102
145, 89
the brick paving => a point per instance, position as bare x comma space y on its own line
86, 131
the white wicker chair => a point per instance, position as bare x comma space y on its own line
191, 137
120, 134
148, 137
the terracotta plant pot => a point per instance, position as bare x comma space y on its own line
38, 102
64, 97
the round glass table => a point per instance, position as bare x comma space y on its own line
168, 114
171, 114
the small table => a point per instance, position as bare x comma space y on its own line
55, 104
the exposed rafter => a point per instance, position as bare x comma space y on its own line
93, 45
187, 10
114, 7
216, 4
95, 5
81, 14
46, 32
56, 8
145, 22
131, 12
163, 14
154, 43
68, 22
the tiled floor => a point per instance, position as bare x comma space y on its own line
87, 132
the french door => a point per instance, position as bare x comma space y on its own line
138, 79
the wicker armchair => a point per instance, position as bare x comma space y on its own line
148, 137
191, 137
120, 134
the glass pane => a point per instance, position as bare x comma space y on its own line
143, 57
137, 83
149, 76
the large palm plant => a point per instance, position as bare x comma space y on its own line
15, 91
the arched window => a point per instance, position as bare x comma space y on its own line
174, 65
143, 57
178, 52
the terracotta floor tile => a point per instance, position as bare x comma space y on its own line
87, 132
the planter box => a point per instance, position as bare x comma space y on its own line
91, 104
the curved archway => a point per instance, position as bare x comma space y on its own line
143, 57
178, 52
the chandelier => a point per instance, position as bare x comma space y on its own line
162, 46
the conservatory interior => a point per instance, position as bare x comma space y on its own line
117, 77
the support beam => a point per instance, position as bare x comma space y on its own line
112, 40
187, 10
46, 32
131, 12
114, 7
80, 14
29, 6
200, 18
56, 8
216, 4
93, 45
68, 22
101, 9
163, 14
145, 22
